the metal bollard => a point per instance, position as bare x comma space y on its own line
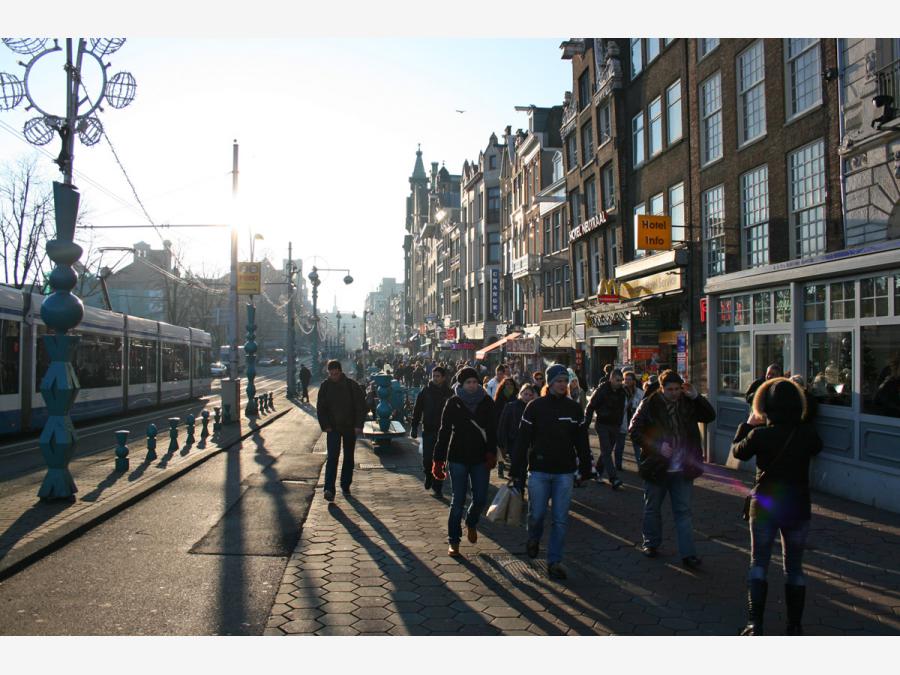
173, 434
151, 443
227, 417
261, 403
190, 421
122, 450
271, 401
205, 431
217, 424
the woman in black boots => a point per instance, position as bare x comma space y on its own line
783, 446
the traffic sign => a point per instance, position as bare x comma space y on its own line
249, 278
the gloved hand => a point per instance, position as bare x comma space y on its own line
490, 460
414, 432
437, 470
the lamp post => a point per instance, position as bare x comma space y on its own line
337, 333
314, 279
290, 270
62, 311
250, 345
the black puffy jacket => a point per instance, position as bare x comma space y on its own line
552, 438
609, 404
429, 406
508, 426
464, 437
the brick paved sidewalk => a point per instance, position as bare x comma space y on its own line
29, 527
377, 564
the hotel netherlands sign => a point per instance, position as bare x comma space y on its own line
588, 226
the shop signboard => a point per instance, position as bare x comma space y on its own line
249, 278
645, 354
654, 233
645, 332
588, 226
523, 345
579, 332
682, 354
608, 292
495, 291
451, 333
462, 346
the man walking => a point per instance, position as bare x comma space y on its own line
305, 376
341, 409
551, 435
608, 402
665, 429
429, 406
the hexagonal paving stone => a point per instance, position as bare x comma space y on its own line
407, 619
342, 569
501, 611
273, 631
403, 596
372, 601
510, 623
339, 586
303, 602
373, 626
338, 607
372, 591
442, 626
301, 627
337, 619
306, 613
409, 630
337, 630
371, 612
373, 580
439, 612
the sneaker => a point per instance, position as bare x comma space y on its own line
532, 548
453, 551
557, 571
649, 551
691, 562
429, 481
616, 484
329, 495
471, 534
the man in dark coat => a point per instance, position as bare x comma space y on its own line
305, 376
665, 428
427, 412
609, 401
773, 371
341, 409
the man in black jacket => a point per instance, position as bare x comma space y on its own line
773, 371
305, 376
341, 410
608, 402
551, 436
665, 429
427, 412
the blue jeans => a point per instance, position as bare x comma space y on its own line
611, 441
679, 490
461, 476
793, 541
544, 488
333, 442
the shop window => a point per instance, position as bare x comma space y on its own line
814, 302
881, 370
762, 308
725, 311
829, 367
734, 363
843, 300
742, 310
9, 357
783, 305
773, 349
873, 297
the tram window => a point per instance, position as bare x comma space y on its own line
97, 363
141, 362
175, 357
9, 357
201, 362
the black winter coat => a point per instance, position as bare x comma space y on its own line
459, 439
341, 405
429, 406
552, 436
785, 487
650, 427
508, 427
609, 404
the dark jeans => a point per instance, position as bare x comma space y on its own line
429, 438
461, 476
333, 442
679, 490
304, 391
793, 541
609, 441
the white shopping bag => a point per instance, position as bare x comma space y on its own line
496, 512
420, 445
515, 507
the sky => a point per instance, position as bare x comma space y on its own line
327, 130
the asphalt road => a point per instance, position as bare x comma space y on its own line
24, 455
202, 556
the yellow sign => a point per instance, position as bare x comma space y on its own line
249, 281
654, 233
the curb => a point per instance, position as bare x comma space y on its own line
17, 560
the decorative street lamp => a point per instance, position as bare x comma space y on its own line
250, 346
62, 311
313, 277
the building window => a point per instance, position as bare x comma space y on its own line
558, 295
829, 367
638, 211
609, 188
571, 152
578, 262
655, 117
807, 199
804, 75
652, 49
575, 207
656, 205
742, 313
637, 59
814, 302
557, 231
567, 288
548, 290
594, 245
584, 89
711, 119
637, 139
783, 305
493, 242
881, 370
725, 312
590, 198
705, 46
842, 300
612, 252
873, 297
676, 211
548, 236
492, 162
755, 216
557, 166
587, 142
493, 204
762, 308
735, 363
713, 222
773, 349
605, 124
673, 112
751, 93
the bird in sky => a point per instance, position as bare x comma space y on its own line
460, 111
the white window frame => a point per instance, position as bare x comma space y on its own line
755, 216
674, 206
705, 46
594, 272
711, 118
636, 69
656, 120
608, 187
651, 41
790, 84
673, 104
611, 252
809, 173
751, 90
637, 140
638, 211
712, 205
604, 122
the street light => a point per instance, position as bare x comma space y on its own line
250, 347
313, 277
62, 311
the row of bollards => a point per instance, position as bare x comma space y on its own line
265, 402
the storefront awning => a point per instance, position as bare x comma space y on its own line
481, 353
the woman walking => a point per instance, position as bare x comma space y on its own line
510, 418
783, 445
466, 449
576, 393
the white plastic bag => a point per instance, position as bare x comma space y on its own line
496, 512
515, 506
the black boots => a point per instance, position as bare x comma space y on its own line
794, 599
757, 589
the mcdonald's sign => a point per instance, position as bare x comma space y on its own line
608, 292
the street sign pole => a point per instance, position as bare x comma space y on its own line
291, 378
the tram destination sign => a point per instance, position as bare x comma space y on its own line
249, 278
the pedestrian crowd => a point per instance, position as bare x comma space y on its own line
537, 429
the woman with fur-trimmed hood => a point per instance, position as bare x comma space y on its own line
783, 445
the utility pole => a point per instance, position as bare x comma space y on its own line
291, 377
234, 329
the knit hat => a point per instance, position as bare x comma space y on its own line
555, 371
465, 373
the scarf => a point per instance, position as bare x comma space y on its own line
676, 428
471, 401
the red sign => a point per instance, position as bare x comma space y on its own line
702, 310
644, 353
463, 345
608, 299
451, 334
579, 359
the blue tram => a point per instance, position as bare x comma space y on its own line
123, 363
